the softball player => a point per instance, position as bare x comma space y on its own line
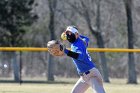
89, 74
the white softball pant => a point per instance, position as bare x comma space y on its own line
93, 79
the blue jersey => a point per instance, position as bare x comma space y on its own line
84, 62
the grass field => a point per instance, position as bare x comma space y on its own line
65, 86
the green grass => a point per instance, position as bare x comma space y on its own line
65, 86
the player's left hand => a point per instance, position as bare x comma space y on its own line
55, 47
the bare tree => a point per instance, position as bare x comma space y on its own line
51, 28
132, 78
85, 9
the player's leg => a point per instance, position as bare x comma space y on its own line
80, 86
96, 82
96, 85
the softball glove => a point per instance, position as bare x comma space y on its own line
55, 48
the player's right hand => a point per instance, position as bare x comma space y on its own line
63, 36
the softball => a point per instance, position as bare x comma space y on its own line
63, 36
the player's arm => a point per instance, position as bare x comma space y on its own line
75, 55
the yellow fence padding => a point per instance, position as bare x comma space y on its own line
89, 49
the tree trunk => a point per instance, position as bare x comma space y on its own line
52, 37
50, 68
100, 44
132, 78
50, 57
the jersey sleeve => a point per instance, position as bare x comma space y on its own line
85, 39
